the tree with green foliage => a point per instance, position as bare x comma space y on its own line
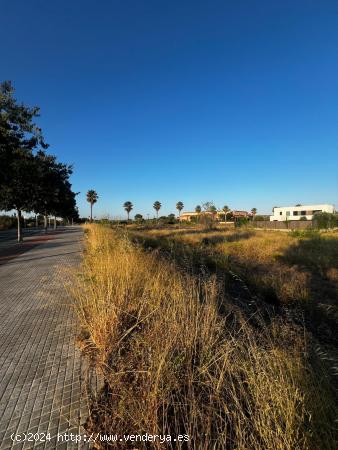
53, 194
157, 206
209, 212
226, 210
179, 207
171, 219
209, 207
19, 137
92, 198
128, 206
253, 212
138, 218
198, 210
67, 204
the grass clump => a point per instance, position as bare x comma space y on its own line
173, 364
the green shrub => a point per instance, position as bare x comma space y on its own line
7, 222
325, 220
307, 233
241, 222
259, 218
139, 218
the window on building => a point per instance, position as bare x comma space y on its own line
287, 213
295, 213
303, 213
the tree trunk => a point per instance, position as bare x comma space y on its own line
128, 215
91, 212
36, 220
72, 222
45, 222
54, 222
18, 214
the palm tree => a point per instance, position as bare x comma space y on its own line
92, 198
253, 212
157, 206
198, 210
128, 206
225, 209
179, 207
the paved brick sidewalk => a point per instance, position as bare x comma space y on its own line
42, 382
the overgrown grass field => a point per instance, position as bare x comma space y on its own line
224, 336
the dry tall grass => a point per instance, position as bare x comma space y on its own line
174, 365
284, 267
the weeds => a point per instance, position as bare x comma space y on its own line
174, 364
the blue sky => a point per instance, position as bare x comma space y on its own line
230, 101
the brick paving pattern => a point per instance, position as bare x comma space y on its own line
42, 375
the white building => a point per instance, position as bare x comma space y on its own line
282, 213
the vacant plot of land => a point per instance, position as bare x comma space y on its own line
209, 335
297, 269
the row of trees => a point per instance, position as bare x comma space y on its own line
30, 179
92, 198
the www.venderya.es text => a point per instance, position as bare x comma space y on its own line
98, 437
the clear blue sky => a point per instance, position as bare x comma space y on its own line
230, 101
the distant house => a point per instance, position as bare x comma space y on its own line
234, 214
282, 213
190, 215
240, 214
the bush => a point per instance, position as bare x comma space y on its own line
307, 233
259, 218
139, 218
241, 222
167, 220
105, 221
7, 222
325, 220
